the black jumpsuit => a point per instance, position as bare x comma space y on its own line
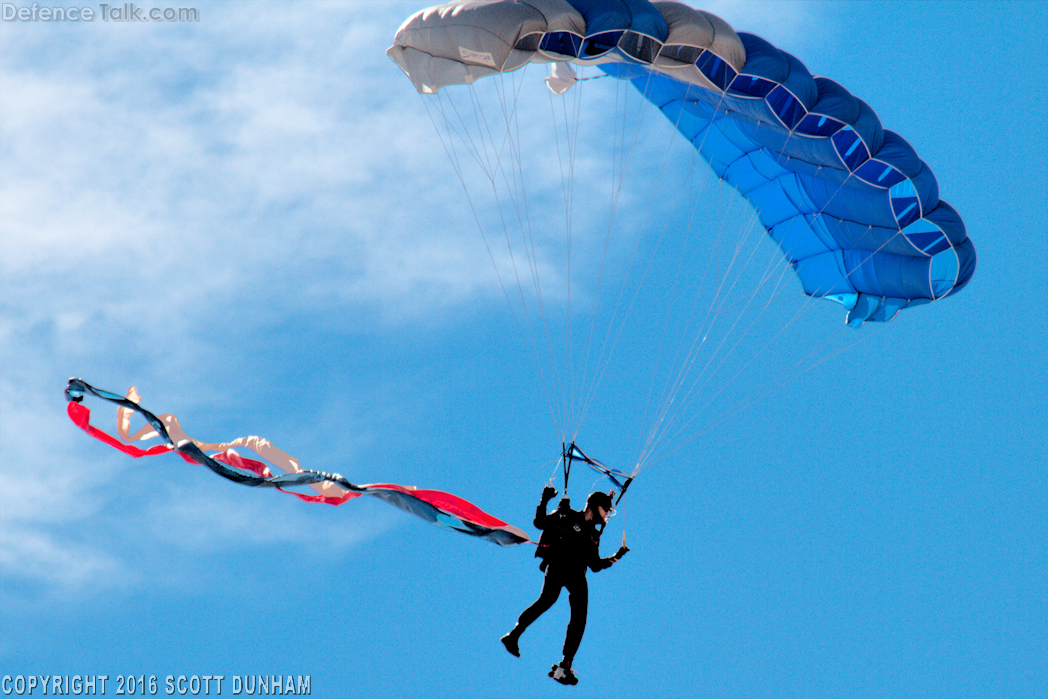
569, 544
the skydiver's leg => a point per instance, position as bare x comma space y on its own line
551, 585
578, 598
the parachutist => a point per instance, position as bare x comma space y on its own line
569, 544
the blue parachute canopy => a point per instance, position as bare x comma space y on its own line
852, 207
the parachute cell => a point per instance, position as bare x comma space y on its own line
851, 205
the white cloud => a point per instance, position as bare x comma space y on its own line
218, 518
138, 167
162, 182
65, 566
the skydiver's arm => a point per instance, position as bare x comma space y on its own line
548, 493
540, 516
600, 564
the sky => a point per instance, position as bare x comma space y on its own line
252, 219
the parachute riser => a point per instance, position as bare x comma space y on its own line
623, 491
565, 456
568, 455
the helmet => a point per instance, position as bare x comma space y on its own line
599, 499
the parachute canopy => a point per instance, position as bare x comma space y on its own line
854, 209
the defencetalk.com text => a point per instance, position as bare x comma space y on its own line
126, 12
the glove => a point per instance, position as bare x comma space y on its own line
548, 493
620, 553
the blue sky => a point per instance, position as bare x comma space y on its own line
252, 220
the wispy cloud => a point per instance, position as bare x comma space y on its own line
178, 187
164, 183
59, 566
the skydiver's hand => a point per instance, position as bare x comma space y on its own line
620, 553
548, 493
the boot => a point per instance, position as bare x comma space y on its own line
510, 641
564, 674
